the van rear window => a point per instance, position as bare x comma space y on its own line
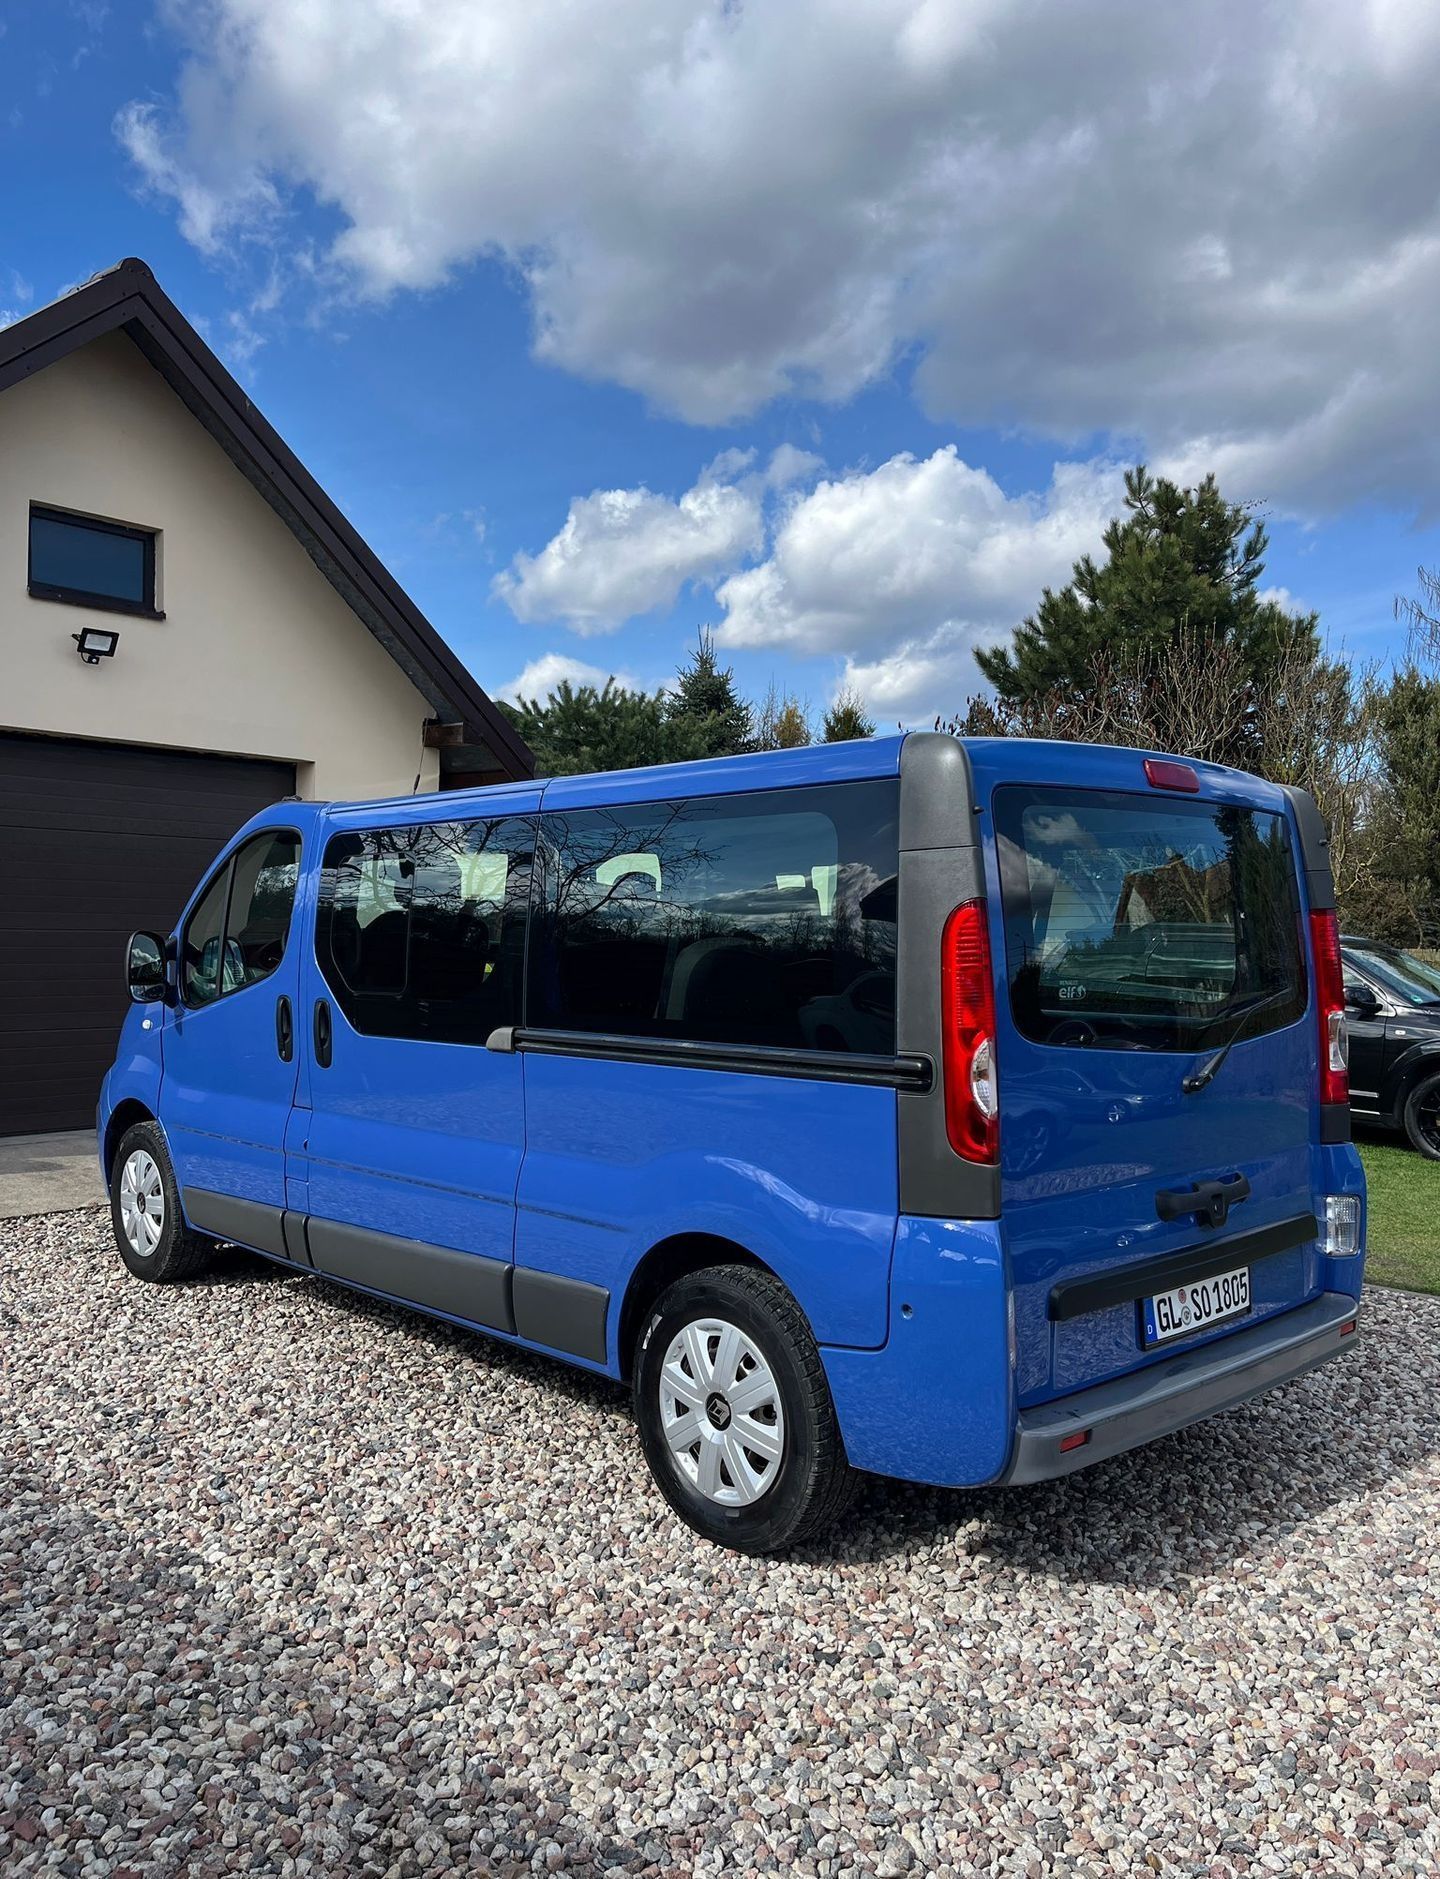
1137, 923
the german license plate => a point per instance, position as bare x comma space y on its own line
1191, 1309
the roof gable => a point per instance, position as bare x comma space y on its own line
129, 299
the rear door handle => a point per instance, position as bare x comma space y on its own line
284, 1028
322, 1033
1209, 1201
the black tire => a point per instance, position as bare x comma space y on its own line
812, 1481
1421, 1116
177, 1253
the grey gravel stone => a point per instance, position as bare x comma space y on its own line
294, 1584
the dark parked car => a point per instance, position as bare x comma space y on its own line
1392, 1001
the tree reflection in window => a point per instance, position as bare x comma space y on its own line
420, 931
757, 919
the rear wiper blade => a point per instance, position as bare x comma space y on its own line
1210, 1069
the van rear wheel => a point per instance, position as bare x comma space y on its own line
735, 1414
1422, 1116
150, 1230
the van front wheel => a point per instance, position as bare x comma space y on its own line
735, 1413
150, 1229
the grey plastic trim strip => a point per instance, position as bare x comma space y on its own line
463, 1285
937, 793
292, 1227
563, 1314
1170, 1395
1076, 1297
1314, 848
1334, 1123
941, 865
546, 1307
246, 1222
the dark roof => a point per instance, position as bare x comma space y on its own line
128, 298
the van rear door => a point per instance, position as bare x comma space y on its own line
1145, 930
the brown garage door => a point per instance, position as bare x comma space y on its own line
95, 840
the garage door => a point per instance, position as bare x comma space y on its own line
95, 840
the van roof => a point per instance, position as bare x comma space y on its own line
1034, 760
713, 776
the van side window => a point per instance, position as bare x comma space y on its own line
237, 932
421, 930
762, 919
262, 898
200, 944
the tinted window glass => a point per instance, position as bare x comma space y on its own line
200, 944
760, 919
1401, 974
1141, 923
87, 558
262, 898
261, 878
421, 931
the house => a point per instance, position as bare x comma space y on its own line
189, 629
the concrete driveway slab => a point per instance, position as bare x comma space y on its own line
49, 1174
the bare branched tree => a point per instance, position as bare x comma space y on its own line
1313, 725
1421, 613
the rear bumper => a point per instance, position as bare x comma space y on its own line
1167, 1396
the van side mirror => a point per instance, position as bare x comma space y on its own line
145, 968
1361, 1000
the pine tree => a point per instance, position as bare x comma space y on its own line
704, 699
782, 722
1407, 815
581, 728
1180, 563
847, 718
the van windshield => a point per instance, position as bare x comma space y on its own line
1137, 923
1403, 974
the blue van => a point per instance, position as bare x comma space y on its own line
961, 1111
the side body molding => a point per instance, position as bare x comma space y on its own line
544, 1308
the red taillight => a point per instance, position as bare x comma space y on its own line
967, 1015
1161, 773
1330, 1007
1077, 1440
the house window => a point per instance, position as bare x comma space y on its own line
92, 564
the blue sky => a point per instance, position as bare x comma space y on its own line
777, 319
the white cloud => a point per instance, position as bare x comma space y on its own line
624, 552
920, 679
1211, 228
1282, 597
542, 675
16, 293
791, 465
902, 570
238, 196
898, 571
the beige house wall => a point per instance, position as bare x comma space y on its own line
257, 654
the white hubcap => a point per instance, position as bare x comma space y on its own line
142, 1202
721, 1412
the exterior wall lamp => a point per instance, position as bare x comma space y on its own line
96, 643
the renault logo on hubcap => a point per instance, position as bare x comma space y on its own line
718, 1410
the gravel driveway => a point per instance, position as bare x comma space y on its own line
291, 1583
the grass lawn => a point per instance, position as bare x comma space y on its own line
1404, 1215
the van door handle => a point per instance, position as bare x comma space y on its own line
284, 1029
1209, 1201
322, 1033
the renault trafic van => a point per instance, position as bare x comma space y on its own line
961, 1111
